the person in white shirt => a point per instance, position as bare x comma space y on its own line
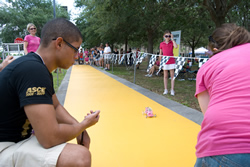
107, 57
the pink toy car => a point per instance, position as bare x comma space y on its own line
148, 112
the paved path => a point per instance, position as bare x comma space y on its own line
185, 111
124, 137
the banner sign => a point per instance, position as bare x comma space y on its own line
177, 38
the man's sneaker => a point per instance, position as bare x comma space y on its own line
149, 75
165, 92
172, 92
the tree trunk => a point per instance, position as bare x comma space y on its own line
193, 54
150, 43
150, 40
126, 45
218, 9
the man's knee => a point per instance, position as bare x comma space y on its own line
74, 155
84, 158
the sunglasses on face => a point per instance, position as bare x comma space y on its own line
32, 28
210, 39
167, 36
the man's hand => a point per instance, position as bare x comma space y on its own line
92, 118
89, 120
84, 139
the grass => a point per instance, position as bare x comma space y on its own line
56, 82
184, 89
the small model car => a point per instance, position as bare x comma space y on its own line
148, 112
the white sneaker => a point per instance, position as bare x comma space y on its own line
172, 92
149, 75
165, 92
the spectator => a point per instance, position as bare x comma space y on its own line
121, 51
130, 57
107, 56
31, 41
166, 49
222, 90
116, 51
5, 62
28, 101
86, 52
80, 57
87, 61
97, 56
154, 68
101, 60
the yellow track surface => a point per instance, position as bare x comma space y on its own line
124, 137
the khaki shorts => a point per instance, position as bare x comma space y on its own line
28, 153
107, 61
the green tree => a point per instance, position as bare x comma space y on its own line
219, 9
143, 22
20, 13
196, 26
128, 20
240, 14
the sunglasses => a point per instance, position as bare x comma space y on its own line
32, 28
167, 36
210, 39
76, 50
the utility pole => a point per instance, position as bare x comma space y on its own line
54, 7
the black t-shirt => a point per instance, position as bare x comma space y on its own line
24, 81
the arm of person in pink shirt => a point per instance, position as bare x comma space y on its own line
203, 99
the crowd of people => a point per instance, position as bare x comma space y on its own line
101, 56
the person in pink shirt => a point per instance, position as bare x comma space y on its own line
31, 41
86, 59
223, 93
166, 49
86, 52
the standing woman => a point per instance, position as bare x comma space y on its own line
223, 93
166, 49
31, 41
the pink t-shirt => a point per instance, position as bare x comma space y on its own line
86, 53
167, 50
86, 58
226, 125
33, 43
157, 63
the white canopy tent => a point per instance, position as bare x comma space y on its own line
201, 50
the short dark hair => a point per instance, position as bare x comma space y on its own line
59, 27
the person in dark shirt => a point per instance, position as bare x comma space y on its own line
28, 102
